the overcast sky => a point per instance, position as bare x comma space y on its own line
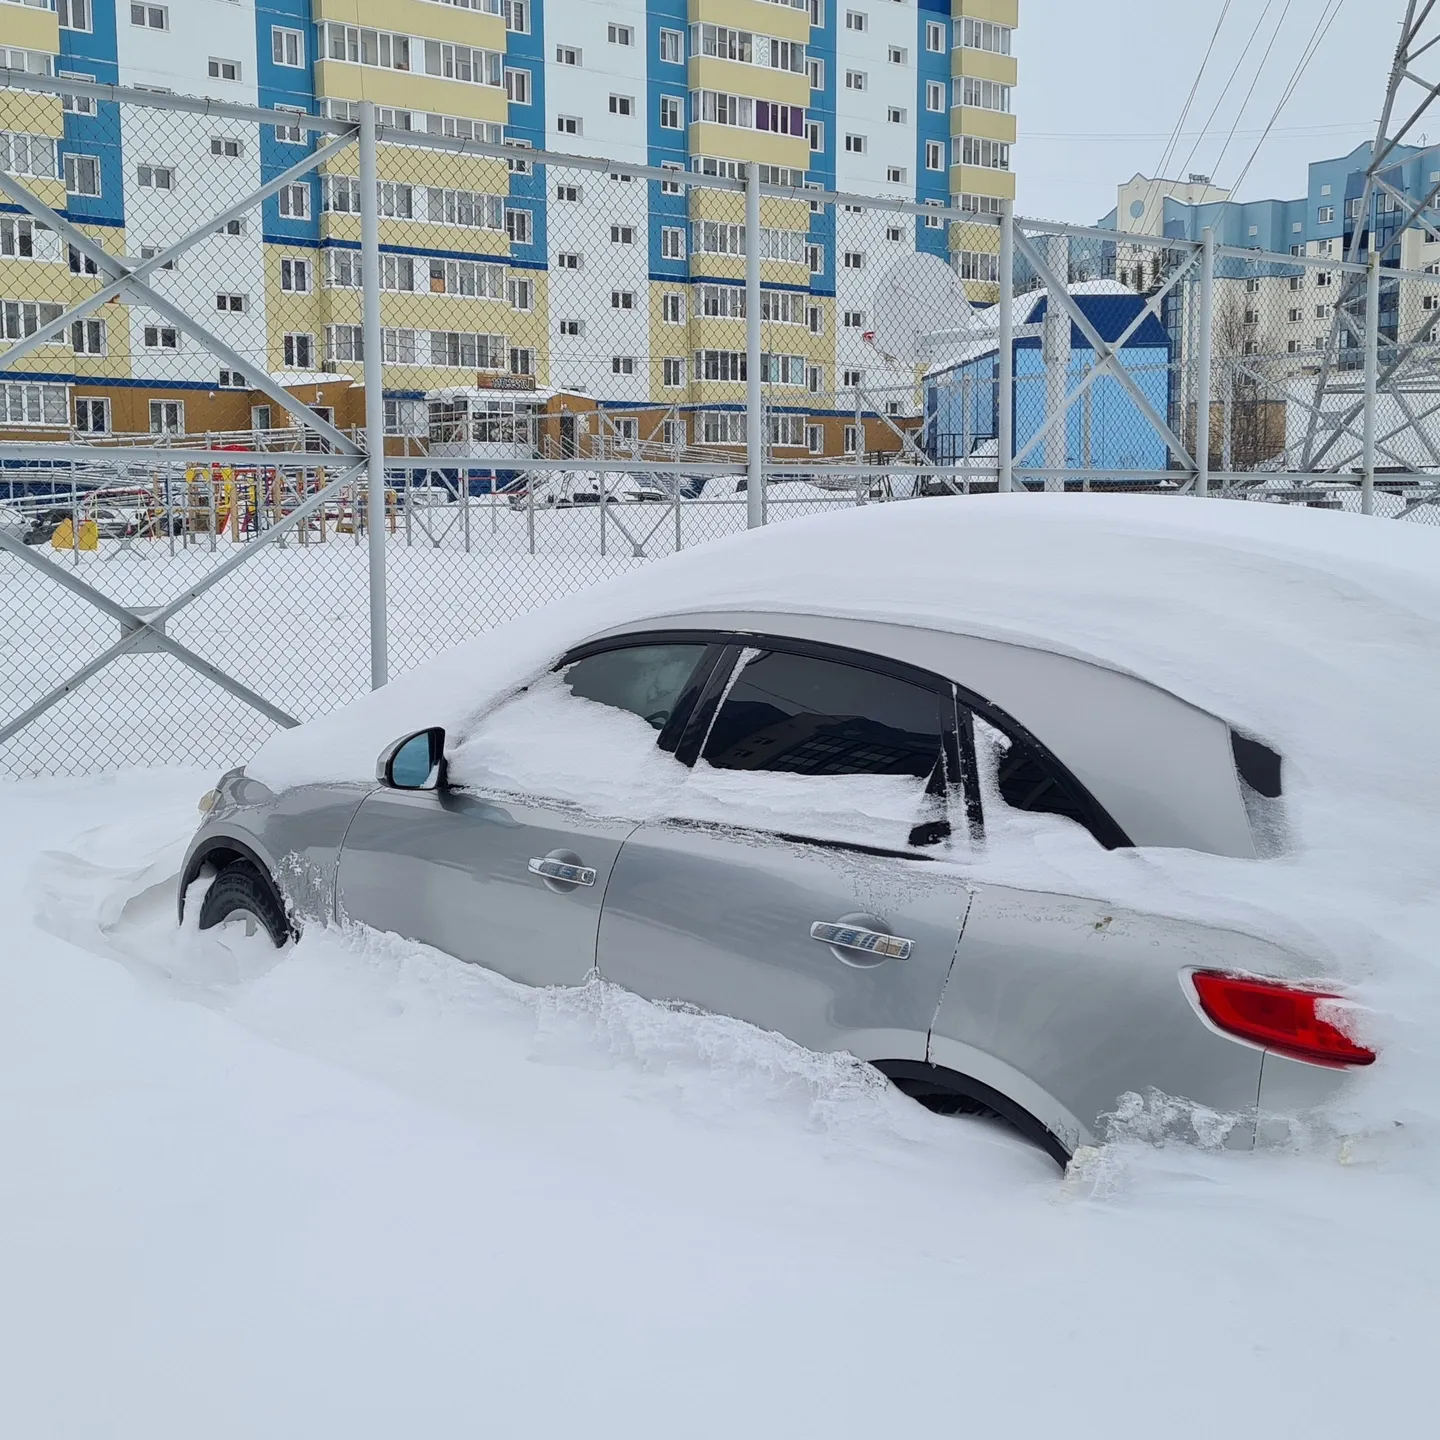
1103, 82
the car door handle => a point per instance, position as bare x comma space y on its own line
565, 871
862, 941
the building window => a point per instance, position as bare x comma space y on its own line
570, 194
287, 47
815, 439
226, 147
985, 95
672, 187
290, 134
672, 47
235, 226
31, 404
988, 154
1325, 215
298, 351
672, 308
622, 105
517, 87
852, 432
87, 337
154, 177
82, 175
92, 415
672, 112
232, 380
674, 372
77, 104
622, 299
574, 328
230, 302
897, 115
27, 155
815, 134
150, 17
855, 79
520, 294
568, 124
295, 276
294, 201
898, 55
895, 174
223, 69
853, 260
567, 55
815, 69
167, 417
74, 15
517, 16
622, 364
856, 20
620, 35
934, 154
622, 234
854, 320
722, 427
568, 260
981, 265
522, 360
815, 256
855, 144
935, 37
815, 319
519, 227
160, 337
984, 35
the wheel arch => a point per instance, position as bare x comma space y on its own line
220, 850
932, 1085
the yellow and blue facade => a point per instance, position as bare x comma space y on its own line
619, 292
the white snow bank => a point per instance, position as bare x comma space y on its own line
358, 1188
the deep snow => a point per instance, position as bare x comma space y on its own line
360, 1189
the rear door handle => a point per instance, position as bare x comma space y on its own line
861, 941
565, 872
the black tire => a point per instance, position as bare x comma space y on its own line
242, 889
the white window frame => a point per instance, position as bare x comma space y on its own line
285, 42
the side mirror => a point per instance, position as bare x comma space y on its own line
416, 762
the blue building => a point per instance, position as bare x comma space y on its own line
1105, 430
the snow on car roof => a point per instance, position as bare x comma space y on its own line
1295, 625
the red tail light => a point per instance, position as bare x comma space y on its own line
1277, 1016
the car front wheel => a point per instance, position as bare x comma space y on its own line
242, 893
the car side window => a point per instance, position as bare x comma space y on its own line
1028, 779
646, 680
803, 715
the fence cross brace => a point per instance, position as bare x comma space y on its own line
149, 627
139, 290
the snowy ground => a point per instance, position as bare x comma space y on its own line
360, 1189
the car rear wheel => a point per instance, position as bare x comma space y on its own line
243, 894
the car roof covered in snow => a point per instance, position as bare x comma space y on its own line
1314, 632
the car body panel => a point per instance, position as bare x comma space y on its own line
294, 835
721, 919
452, 870
1087, 1001
1163, 768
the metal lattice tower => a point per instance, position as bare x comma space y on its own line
1409, 365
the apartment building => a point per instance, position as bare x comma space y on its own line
590, 289
1269, 310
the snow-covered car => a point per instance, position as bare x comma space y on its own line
1029, 802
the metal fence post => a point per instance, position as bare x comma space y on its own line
1005, 352
1372, 375
754, 404
374, 391
1204, 347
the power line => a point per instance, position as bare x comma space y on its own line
1259, 71
1317, 38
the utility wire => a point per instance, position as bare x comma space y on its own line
1259, 71
1317, 39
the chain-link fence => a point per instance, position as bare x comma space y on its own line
292, 401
